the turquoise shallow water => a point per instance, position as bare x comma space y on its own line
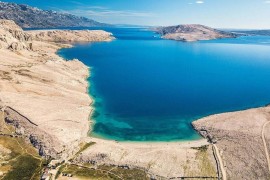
149, 89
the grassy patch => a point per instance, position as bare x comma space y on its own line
202, 166
84, 147
105, 172
23, 162
5, 128
206, 167
23, 168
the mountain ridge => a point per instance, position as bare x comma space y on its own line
31, 17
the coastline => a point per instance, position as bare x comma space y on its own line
140, 154
42, 86
53, 94
97, 136
87, 89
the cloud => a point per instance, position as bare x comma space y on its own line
108, 12
99, 11
267, 2
199, 2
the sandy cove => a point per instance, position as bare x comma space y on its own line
52, 93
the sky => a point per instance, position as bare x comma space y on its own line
236, 14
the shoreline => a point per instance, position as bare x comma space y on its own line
40, 86
92, 121
87, 89
141, 154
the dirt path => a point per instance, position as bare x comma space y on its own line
265, 145
224, 175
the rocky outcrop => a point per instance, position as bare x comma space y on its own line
192, 32
31, 17
48, 94
13, 37
47, 145
238, 135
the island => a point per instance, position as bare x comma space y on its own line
192, 32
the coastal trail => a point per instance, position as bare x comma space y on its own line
223, 171
265, 145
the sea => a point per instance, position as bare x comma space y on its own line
147, 89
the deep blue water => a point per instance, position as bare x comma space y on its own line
149, 89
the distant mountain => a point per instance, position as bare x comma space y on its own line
31, 17
254, 32
192, 32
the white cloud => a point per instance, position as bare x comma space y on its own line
107, 12
199, 2
267, 2
104, 12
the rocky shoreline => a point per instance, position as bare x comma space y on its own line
239, 137
45, 99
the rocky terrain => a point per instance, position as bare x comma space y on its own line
37, 83
30, 17
192, 32
70, 36
239, 137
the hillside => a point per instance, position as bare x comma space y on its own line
31, 17
192, 32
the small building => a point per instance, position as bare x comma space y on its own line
45, 176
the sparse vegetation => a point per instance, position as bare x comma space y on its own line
23, 167
84, 147
22, 160
202, 148
205, 165
104, 172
